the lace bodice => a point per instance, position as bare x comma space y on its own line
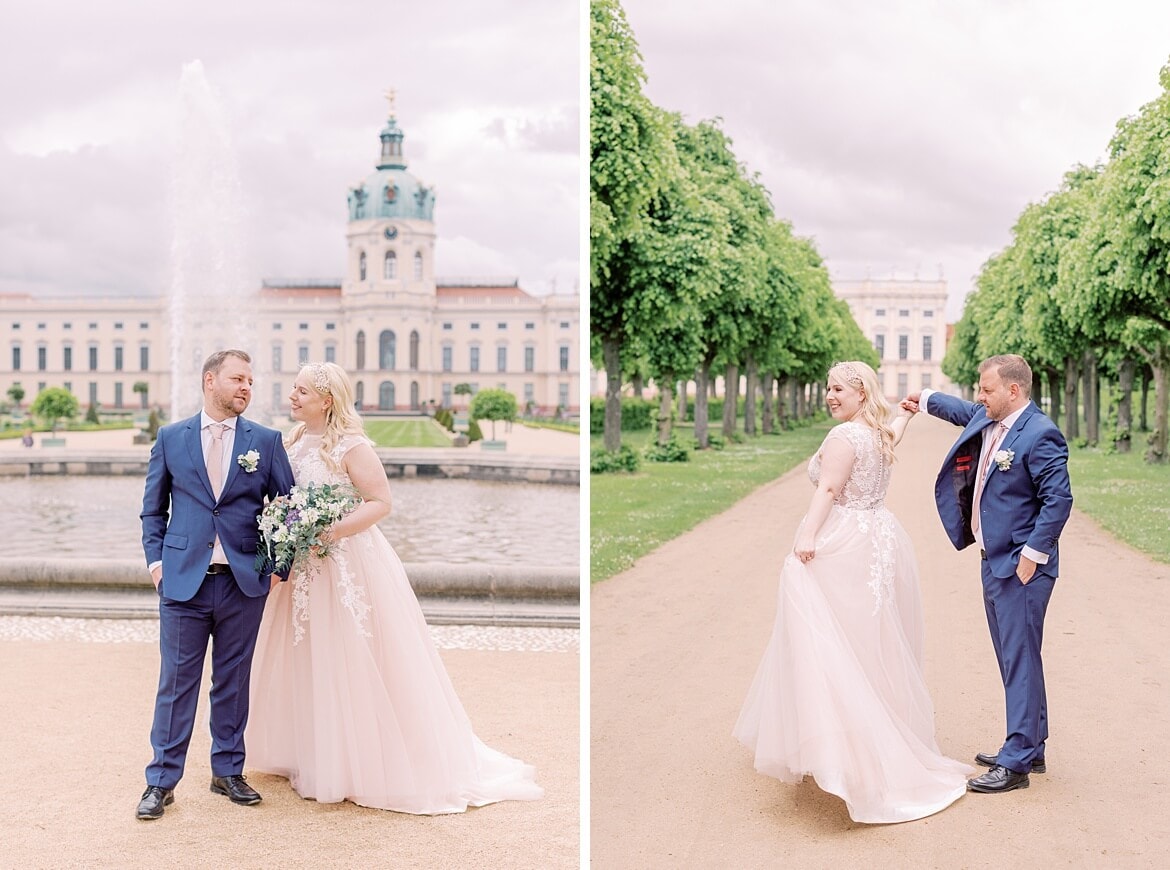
864, 496
310, 467
870, 476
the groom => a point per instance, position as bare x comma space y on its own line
1004, 486
205, 485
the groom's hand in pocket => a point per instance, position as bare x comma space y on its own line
1025, 569
156, 576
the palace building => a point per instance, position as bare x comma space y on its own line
406, 337
906, 321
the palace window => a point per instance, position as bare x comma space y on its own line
501, 359
414, 350
144, 358
67, 361
93, 359
360, 341
330, 353
903, 348
564, 354
42, 358
447, 351
302, 354
118, 353
390, 266
879, 344
927, 341
277, 358
362, 266
387, 344
474, 361
418, 266
529, 359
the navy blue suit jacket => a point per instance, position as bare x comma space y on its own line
181, 516
1024, 505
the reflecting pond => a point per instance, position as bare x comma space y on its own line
456, 521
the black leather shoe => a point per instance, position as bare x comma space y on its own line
998, 779
154, 800
236, 789
989, 760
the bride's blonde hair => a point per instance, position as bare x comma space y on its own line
341, 416
875, 411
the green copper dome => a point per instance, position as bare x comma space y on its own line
390, 191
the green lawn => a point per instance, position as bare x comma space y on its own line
632, 514
407, 433
1125, 495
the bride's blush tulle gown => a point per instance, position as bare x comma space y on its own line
840, 692
350, 700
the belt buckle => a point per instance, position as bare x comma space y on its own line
218, 568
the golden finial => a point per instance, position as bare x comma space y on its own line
390, 95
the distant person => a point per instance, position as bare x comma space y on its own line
199, 533
27, 438
350, 700
840, 692
1004, 486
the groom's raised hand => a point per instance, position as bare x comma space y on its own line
910, 403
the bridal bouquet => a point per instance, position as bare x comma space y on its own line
290, 524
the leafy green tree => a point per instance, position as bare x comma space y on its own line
493, 405
53, 404
631, 158
668, 268
143, 389
16, 393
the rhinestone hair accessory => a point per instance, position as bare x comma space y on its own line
320, 378
848, 372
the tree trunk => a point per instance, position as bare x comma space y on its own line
665, 395
1156, 453
749, 398
1038, 388
611, 352
1071, 416
730, 400
1145, 427
1054, 392
682, 401
766, 381
636, 383
798, 400
1092, 394
1122, 438
783, 402
702, 378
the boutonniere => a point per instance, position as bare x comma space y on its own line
1003, 459
249, 461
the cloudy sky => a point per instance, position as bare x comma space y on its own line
487, 94
906, 136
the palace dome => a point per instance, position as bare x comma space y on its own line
390, 191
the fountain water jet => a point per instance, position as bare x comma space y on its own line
212, 302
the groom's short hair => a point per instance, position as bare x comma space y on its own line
215, 362
1012, 368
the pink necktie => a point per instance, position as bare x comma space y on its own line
996, 437
215, 458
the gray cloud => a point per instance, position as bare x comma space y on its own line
906, 134
88, 110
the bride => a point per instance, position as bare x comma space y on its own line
840, 692
349, 699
